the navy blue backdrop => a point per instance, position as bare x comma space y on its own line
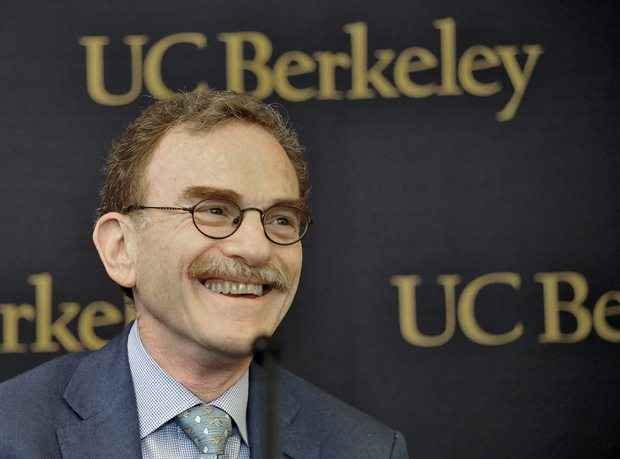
461, 282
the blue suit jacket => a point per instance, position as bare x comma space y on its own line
83, 406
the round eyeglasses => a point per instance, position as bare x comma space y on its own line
219, 219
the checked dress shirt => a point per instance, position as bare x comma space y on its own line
160, 399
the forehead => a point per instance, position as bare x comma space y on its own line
237, 156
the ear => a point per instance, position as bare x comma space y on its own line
114, 237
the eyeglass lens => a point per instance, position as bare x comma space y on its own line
220, 218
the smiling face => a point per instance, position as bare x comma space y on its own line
195, 294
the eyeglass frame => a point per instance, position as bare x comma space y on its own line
242, 212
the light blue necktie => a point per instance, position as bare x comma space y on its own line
208, 427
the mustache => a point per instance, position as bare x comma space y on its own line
229, 268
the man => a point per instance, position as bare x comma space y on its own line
200, 222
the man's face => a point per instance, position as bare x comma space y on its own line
174, 260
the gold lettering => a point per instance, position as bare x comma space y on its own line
553, 306
407, 310
447, 37
518, 77
58, 329
45, 330
43, 300
602, 310
327, 78
375, 73
425, 60
291, 64
11, 315
478, 58
236, 65
467, 305
152, 63
359, 61
361, 75
95, 75
97, 314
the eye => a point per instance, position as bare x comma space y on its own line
279, 220
282, 221
215, 208
212, 212
283, 217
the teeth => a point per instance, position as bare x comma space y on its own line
234, 288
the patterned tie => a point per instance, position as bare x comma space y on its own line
208, 427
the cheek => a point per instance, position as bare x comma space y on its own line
299, 259
167, 248
293, 262
158, 265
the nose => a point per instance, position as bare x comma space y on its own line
249, 241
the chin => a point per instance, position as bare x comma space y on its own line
235, 346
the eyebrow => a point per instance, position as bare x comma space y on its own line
194, 193
204, 192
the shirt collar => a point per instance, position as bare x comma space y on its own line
160, 398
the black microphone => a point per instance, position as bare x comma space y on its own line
267, 353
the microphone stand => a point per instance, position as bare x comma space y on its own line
267, 354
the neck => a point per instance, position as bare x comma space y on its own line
205, 373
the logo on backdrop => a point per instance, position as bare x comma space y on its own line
75, 329
387, 73
69, 327
462, 310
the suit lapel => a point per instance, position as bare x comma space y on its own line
296, 439
101, 393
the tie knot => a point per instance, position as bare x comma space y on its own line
208, 427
